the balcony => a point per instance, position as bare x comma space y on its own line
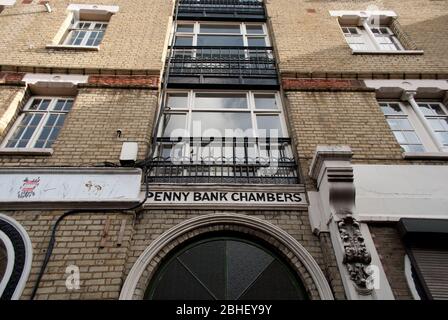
236, 10
228, 67
223, 161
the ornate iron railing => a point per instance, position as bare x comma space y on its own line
247, 65
223, 160
221, 9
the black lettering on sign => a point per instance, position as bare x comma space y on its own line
279, 197
288, 197
261, 196
223, 196
297, 197
197, 196
185, 194
158, 196
235, 197
271, 197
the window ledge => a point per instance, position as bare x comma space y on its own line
401, 52
27, 151
63, 47
426, 155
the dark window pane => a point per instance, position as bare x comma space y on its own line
185, 28
236, 41
275, 283
177, 283
254, 29
225, 268
184, 41
245, 263
256, 42
213, 28
207, 263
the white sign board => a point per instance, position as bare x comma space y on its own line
391, 192
69, 188
248, 200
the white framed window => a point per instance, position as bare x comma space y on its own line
192, 114
386, 39
39, 124
221, 34
437, 116
414, 133
86, 33
377, 38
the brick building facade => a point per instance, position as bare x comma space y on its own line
223, 149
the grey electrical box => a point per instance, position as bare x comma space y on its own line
128, 154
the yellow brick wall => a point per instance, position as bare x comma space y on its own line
89, 135
312, 42
104, 263
134, 39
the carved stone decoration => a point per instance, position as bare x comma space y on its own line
356, 256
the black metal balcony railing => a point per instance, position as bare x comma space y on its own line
223, 65
221, 10
223, 160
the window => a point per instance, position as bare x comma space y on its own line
86, 33
421, 130
223, 114
39, 124
84, 27
215, 118
360, 39
374, 32
437, 116
214, 34
225, 268
401, 127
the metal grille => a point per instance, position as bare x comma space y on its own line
246, 9
223, 160
256, 62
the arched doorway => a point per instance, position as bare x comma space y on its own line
225, 268
148, 263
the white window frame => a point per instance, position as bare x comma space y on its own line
407, 115
372, 40
75, 27
421, 129
243, 31
251, 109
32, 141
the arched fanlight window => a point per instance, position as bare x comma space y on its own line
15, 258
225, 268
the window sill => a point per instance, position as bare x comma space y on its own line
426, 155
26, 151
70, 47
402, 52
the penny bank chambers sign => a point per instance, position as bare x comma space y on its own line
226, 198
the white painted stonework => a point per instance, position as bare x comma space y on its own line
34, 78
7, 2
29, 188
391, 192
